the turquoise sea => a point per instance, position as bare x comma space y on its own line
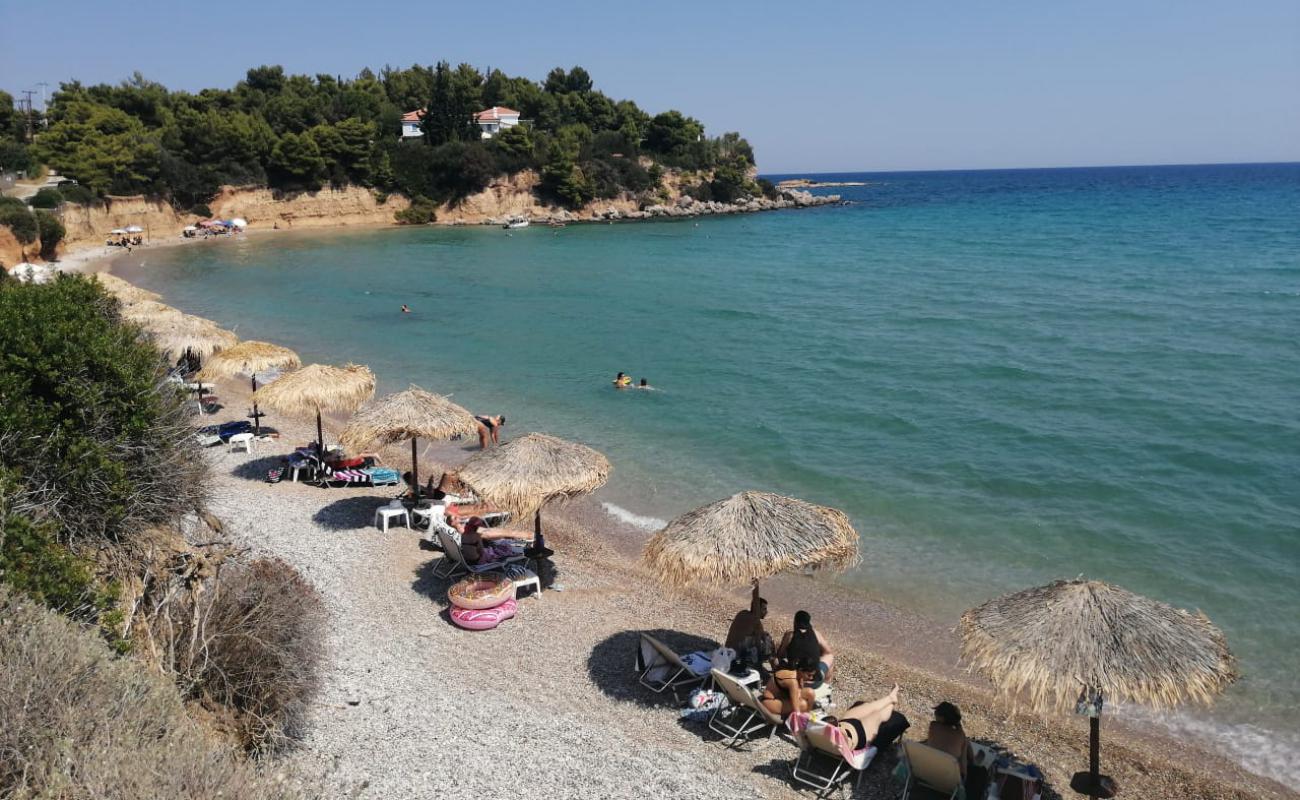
1004, 377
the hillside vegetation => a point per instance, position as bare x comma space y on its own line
299, 132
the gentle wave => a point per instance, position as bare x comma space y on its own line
636, 520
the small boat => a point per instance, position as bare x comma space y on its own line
515, 223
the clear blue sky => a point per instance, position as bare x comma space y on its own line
815, 86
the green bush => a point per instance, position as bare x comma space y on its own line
768, 189
46, 197
201, 210
79, 723
52, 233
76, 193
14, 157
89, 421
18, 218
421, 212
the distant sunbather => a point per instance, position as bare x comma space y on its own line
804, 643
862, 721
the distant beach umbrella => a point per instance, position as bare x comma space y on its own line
250, 359
190, 228
117, 231
748, 537
187, 333
317, 388
239, 222
1076, 643
411, 414
525, 474
134, 229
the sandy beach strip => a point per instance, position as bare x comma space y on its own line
548, 705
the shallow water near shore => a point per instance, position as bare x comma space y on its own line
1003, 377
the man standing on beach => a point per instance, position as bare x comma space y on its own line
746, 635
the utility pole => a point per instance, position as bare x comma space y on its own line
44, 105
28, 101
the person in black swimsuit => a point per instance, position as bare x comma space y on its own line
488, 429
862, 721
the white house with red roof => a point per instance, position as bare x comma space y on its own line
496, 119
490, 122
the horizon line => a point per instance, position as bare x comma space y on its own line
1026, 169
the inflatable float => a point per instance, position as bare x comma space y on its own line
482, 619
488, 590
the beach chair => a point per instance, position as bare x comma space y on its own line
453, 564
932, 769
821, 743
659, 668
745, 715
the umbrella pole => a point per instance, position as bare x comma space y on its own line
320, 438
537, 527
415, 472
257, 418
1094, 756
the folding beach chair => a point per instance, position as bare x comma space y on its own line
745, 715
659, 668
821, 744
453, 562
931, 769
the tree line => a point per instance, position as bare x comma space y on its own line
300, 132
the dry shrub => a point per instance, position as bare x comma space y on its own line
75, 722
249, 649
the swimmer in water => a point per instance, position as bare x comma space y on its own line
405, 309
622, 381
644, 384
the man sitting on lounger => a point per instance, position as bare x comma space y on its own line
746, 636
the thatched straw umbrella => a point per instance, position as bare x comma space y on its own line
1073, 643
249, 358
525, 474
127, 293
150, 314
192, 334
411, 414
319, 387
748, 537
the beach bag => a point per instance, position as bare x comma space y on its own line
275, 475
890, 731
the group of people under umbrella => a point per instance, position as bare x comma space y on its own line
1068, 645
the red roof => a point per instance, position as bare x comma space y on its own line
495, 113
413, 116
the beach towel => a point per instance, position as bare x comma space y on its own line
799, 722
382, 476
349, 476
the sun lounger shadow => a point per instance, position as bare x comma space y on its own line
612, 664
432, 584
350, 513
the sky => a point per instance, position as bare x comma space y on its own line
816, 86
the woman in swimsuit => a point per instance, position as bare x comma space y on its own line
488, 428
789, 689
805, 643
477, 542
862, 721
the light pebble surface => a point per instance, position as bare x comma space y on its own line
547, 705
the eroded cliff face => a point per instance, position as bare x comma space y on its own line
11, 252
328, 208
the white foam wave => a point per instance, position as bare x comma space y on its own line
635, 520
1273, 754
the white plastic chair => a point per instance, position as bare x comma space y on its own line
384, 513
240, 441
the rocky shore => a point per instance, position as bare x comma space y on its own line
685, 206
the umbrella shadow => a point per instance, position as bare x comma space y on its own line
609, 662
255, 469
432, 586
348, 513
877, 779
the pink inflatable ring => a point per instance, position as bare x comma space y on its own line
482, 619
488, 590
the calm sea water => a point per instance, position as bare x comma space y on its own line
1004, 377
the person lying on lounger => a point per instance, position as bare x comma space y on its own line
478, 542
862, 721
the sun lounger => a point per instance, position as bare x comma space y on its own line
823, 743
924, 766
453, 563
744, 717
659, 668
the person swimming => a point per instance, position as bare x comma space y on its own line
644, 384
406, 309
622, 381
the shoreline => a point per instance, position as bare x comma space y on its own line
884, 640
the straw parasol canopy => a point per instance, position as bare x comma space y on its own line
249, 358
525, 474
150, 314
317, 388
1080, 641
126, 293
748, 537
412, 414
173, 337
